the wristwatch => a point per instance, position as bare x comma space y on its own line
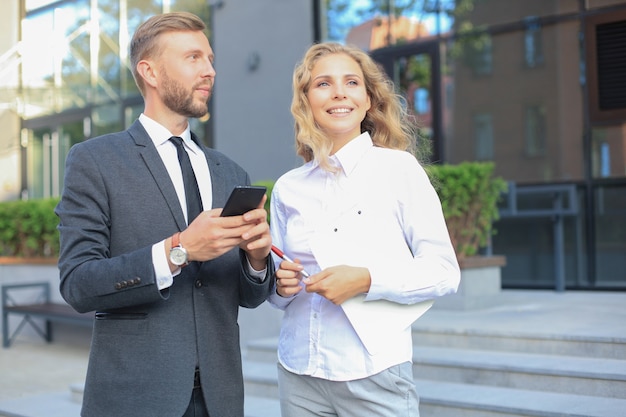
178, 254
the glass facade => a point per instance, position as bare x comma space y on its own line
510, 82
83, 59
75, 78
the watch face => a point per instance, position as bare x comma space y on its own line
178, 256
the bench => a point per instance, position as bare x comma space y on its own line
41, 308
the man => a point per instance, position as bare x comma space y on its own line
166, 290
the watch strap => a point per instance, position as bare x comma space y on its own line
176, 240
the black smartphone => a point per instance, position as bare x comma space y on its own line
243, 198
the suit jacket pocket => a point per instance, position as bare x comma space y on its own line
128, 323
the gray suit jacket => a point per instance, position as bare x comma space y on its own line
118, 201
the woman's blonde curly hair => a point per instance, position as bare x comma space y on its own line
387, 120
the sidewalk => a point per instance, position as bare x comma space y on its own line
34, 374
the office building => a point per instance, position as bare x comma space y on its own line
537, 86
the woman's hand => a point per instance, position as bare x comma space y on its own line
340, 283
289, 278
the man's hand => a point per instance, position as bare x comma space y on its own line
210, 236
257, 241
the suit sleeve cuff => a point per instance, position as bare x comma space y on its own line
260, 275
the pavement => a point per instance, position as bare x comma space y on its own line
36, 376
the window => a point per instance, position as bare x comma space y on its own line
533, 50
535, 130
421, 100
483, 137
482, 56
606, 47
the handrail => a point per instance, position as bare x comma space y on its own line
558, 208
564, 204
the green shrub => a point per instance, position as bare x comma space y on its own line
270, 185
469, 195
28, 228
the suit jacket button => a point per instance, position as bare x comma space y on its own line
118, 286
137, 281
198, 283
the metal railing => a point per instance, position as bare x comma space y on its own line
564, 203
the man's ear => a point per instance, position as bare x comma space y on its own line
147, 70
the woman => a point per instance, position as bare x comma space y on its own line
363, 219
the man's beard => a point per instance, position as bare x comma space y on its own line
181, 101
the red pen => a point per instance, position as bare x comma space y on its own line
282, 255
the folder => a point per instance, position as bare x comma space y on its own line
377, 320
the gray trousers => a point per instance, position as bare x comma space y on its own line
390, 393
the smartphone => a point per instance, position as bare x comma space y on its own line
243, 198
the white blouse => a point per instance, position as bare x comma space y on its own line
378, 211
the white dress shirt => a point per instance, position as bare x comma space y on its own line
378, 207
167, 150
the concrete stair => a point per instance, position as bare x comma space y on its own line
535, 353
470, 373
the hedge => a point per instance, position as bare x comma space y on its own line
28, 228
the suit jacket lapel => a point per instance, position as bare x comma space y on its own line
155, 165
218, 182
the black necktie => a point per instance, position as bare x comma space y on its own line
192, 192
